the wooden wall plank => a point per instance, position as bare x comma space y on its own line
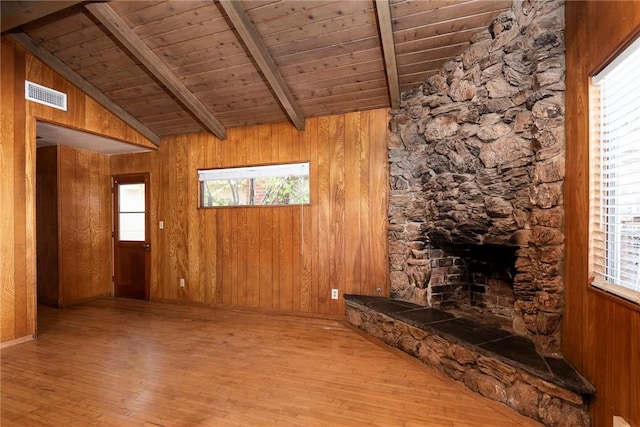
314, 209
30, 229
68, 238
102, 253
378, 197
621, 340
576, 203
7, 180
336, 208
266, 282
600, 331
83, 230
22, 176
47, 224
353, 134
634, 383
192, 273
180, 228
204, 237
365, 205
324, 211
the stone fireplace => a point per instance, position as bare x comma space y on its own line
477, 166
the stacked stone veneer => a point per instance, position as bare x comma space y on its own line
477, 157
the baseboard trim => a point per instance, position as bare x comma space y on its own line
16, 341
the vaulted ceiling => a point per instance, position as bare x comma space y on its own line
170, 67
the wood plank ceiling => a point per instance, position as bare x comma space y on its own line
191, 66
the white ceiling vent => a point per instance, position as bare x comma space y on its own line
44, 95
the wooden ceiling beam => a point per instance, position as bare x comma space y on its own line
17, 13
59, 67
385, 25
252, 40
125, 35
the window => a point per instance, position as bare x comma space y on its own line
285, 184
615, 176
131, 212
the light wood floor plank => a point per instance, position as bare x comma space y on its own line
136, 363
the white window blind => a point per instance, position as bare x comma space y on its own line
615, 176
250, 172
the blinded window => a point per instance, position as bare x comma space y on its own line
615, 176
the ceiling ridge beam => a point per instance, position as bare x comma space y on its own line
254, 43
77, 80
125, 35
385, 25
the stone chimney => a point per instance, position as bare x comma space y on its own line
477, 159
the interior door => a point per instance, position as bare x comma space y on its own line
132, 249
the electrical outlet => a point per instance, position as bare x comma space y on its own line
181, 282
334, 294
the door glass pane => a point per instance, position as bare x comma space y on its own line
131, 218
131, 226
131, 197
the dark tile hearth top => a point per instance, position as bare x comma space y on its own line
462, 330
422, 317
511, 349
521, 351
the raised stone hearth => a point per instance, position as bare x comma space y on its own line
488, 360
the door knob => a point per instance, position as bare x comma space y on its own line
146, 246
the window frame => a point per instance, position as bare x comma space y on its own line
601, 263
261, 170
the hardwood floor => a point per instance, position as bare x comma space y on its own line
128, 363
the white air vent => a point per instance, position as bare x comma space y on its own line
43, 95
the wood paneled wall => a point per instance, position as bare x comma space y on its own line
277, 258
601, 333
47, 226
17, 175
17, 249
73, 225
85, 225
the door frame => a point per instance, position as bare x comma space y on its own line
132, 178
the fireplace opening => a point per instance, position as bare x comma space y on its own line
474, 281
